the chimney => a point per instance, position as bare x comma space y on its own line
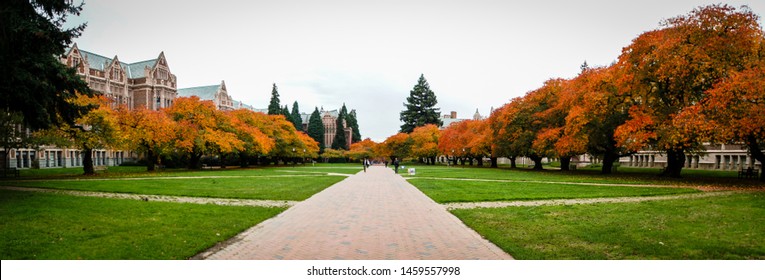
454, 114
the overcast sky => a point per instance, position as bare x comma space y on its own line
475, 54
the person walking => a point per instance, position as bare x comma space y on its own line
395, 164
364, 162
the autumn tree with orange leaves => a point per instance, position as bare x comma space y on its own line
202, 129
362, 150
147, 131
467, 140
425, 143
96, 129
743, 119
248, 127
671, 69
398, 146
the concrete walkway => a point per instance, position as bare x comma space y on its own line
370, 216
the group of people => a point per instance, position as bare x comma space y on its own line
366, 162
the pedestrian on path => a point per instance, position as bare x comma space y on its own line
395, 164
365, 162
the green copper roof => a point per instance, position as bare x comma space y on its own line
203, 92
134, 70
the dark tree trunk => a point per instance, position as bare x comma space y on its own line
87, 161
537, 162
462, 161
512, 162
432, 160
608, 162
470, 161
675, 163
150, 161
420, 160
480, 161
564, 162
754, 149
493, 162
194, 159
243, 160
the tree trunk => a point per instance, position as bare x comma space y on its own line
480, 161
754, 149
537, 162
564, 162
470, 161
675, 163
493, 162
87, 161
512, 162
608, 161
194, 160
243, 162
150, 160
432, 160
222, 161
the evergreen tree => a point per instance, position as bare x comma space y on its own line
420, 107
286, 113
340, 142
354, 124
295, 117
35, 83
274, 107
316, 128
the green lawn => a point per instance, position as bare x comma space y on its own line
624, 175
140, 171
727, 227
282, 187
443, 191
51, 226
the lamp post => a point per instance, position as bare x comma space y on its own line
293, 157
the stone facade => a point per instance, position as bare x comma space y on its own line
148, 84
715, 157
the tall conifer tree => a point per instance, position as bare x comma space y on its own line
274, 107
354, 124
340, 141
35, 83
420, 107
295, 117
316, 128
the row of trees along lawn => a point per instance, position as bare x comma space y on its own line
189, 129
700, 78
315, 127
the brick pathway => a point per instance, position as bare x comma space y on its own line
369, 216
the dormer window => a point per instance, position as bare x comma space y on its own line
115, 73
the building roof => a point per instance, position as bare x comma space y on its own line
333, 113
136, 70
133, 70
449, 121
203, 92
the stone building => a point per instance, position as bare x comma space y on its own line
715, 157
215, 93
149, 84
145, 84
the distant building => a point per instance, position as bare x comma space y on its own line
452, 118
215, 93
